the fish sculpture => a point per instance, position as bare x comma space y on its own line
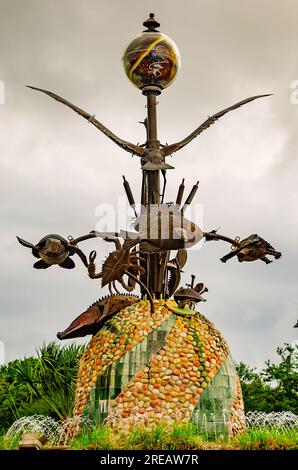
161, 227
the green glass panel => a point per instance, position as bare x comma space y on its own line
120, 373
212, 410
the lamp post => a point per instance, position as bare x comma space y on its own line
151, 62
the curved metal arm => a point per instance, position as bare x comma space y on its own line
107, 236
135, 278
209, 236
83, 238
81, 255
211, 120
129, 147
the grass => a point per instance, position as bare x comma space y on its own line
184, 437
9, 443
141, 438
268, 439
178, 437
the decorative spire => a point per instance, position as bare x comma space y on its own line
151, 24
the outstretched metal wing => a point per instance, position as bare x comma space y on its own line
211, 120
129, 147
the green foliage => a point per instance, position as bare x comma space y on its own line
9, 443
39, 385
275, 387
141, 438
178, 437
182, 437
99, 438
268, 439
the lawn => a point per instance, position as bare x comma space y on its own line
186, 437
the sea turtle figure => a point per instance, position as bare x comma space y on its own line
252, 248
54, 249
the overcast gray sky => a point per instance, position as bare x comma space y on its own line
56, 168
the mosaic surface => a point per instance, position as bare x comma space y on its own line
144, 368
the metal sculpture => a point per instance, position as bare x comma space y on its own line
143, 257
119, 263
54, 249
252, 248
190, 295
90, 321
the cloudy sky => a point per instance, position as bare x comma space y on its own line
55, 169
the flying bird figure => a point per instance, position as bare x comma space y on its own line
152, 158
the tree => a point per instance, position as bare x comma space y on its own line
41, 385
283, 378
274, 388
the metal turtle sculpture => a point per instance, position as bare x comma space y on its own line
54, 249
252, 248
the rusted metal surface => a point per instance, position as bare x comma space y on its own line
154, 155
119, 264
54, 249
190, 295
90, 321
253, 248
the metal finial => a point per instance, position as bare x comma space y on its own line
151, 24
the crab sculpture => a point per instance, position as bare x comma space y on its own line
120, 263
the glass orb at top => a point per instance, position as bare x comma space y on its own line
151, 59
